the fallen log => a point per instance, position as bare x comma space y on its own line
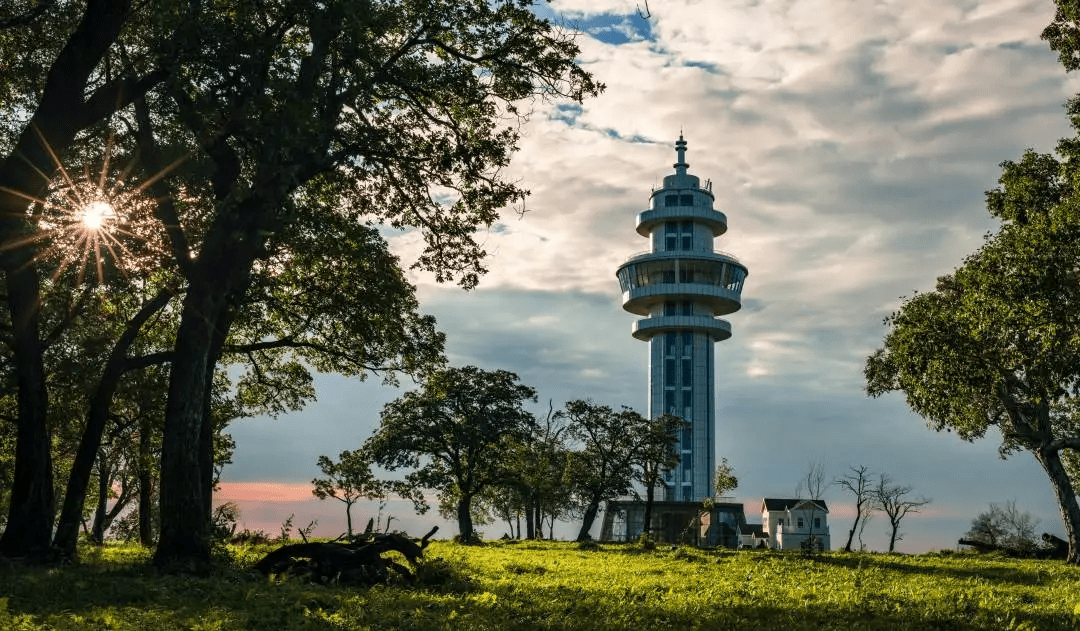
1052, 548
981, 546
358, 562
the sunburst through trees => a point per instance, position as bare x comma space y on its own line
96, 221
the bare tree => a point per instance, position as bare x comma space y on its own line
812, 486
895, 503
857, 482
1005, 526
865, 520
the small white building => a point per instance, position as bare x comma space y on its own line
788, 523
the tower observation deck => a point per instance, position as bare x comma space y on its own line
681, 285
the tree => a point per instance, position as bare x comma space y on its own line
392, 111
454, 432
1005, 526
857, 481
812, 485
656, 442
725, 479
347, 480
997, 343
895, 503
541, 469
602, 469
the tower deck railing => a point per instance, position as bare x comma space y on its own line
682, 254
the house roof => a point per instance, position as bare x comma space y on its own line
758, 530
780, 504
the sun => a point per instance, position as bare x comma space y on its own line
95, 214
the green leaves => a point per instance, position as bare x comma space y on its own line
456, 432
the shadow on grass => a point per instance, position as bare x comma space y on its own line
1004, 570
234, 598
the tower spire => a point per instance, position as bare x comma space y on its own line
680, 148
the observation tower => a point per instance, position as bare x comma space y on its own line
680, 286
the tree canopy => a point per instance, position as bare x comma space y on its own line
455, 433
261, 132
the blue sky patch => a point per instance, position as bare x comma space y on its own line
615, 29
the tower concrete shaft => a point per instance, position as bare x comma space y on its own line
681, 285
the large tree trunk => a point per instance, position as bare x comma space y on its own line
1050, 459
587, 521
31, 511
464, 518
185, 523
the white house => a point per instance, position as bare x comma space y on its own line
787, 523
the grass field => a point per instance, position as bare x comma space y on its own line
542, 585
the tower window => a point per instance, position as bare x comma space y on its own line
671, 200
671, 308
669, 276
687, 308
669, 343
686, 200
687, 373
669, 372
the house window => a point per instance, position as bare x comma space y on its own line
780, 522
817, 522
800, 523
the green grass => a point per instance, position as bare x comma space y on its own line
541, 585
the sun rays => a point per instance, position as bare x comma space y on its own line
95, 221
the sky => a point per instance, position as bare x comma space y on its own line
849, 143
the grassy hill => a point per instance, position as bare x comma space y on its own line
544, 585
